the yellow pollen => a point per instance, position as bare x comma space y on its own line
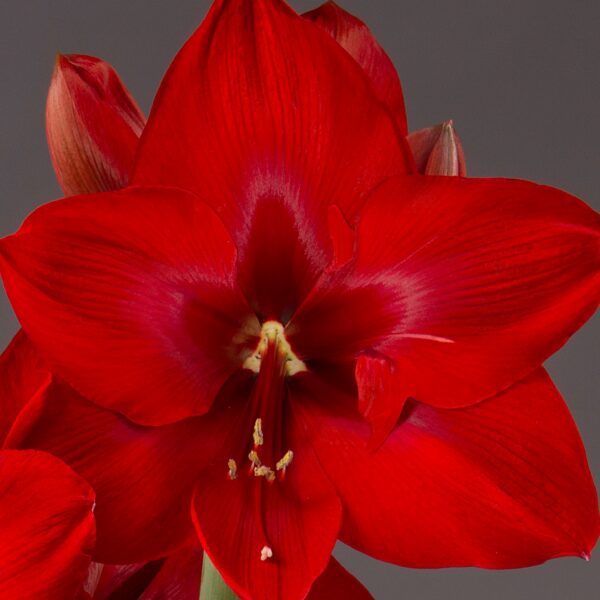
266, 553
258, 437
273, 332
253, 457
265, 472
285, 462
232, 468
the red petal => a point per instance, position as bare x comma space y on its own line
380, 399
143, 477
338, 584
22, 374
256, 108
438, 150
297, 516
178, 578
469, 285
103, 580
342, 238
499, 485
356, 38
47, 527
130, 296
93, 125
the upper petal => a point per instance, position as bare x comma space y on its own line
130, 297
356, 38
93, 125
47, 527
503, 484
261, 104
467, 285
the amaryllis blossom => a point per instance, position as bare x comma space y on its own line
88, 114
281, 334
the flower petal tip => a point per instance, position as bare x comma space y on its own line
92, 124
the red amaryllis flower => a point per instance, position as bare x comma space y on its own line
281, 326
92, 143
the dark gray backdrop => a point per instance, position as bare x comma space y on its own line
520, 79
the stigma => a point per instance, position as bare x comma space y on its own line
273, 332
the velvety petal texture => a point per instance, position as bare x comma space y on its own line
356, 38
93, 125
466, 285
143, 477
500, 485
338, 584
438, 150
130, 295
47, 527
278, 88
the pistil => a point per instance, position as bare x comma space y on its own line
273, 361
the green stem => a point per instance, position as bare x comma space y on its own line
213, 587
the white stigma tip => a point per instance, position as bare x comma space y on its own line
266, 553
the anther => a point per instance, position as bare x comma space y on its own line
266, 553
265, 472
232, 469
253, 458
285, 462
258, 437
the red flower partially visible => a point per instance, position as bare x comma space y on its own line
296, 340
47, 526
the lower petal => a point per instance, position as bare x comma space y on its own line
47, 527
179, 576
143, 476
502, 484
269, 540
338, 584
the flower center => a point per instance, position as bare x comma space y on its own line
273, 334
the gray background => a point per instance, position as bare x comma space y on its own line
520, 79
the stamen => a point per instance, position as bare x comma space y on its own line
265, 472
285, 462
232, 469
266, 553
258, 437
253, 457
